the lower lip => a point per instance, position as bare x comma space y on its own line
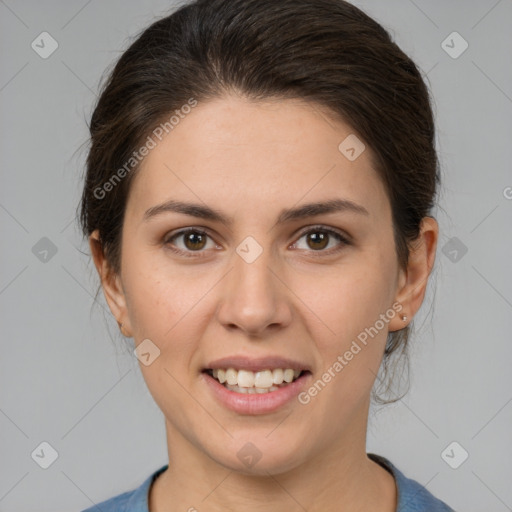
256, 403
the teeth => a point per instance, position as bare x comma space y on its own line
254, 382
231, 376
221, 376
262, 379
277, 376
288, 375
245, 379
251, 391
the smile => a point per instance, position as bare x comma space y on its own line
246, 381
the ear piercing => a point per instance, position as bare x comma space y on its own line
404, 318
120, 324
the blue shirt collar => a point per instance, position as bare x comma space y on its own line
411, 496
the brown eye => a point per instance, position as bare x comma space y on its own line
192, 240
318, 238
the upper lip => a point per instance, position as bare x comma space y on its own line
256, 364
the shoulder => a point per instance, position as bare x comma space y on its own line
115, 504
412, 496
130, 501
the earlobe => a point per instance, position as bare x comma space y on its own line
110, 283
413, 280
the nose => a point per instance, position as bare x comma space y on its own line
254, 296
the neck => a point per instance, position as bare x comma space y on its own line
339, 478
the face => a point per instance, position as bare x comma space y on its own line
250, 280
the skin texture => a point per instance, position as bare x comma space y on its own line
299, 299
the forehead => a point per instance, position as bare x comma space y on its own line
238, 154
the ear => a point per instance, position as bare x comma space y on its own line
111, 284
412, 282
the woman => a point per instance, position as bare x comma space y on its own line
257, 204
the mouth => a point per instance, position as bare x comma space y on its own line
259, 382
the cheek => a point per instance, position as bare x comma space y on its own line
163, 307
351, 357
356, 295
161, 299
352, 305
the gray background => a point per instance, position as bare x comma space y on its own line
63, 380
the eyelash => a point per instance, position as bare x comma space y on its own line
198, 254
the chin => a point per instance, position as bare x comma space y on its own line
257, 455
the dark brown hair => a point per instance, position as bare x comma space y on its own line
327, 52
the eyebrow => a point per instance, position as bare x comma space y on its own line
286, 215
